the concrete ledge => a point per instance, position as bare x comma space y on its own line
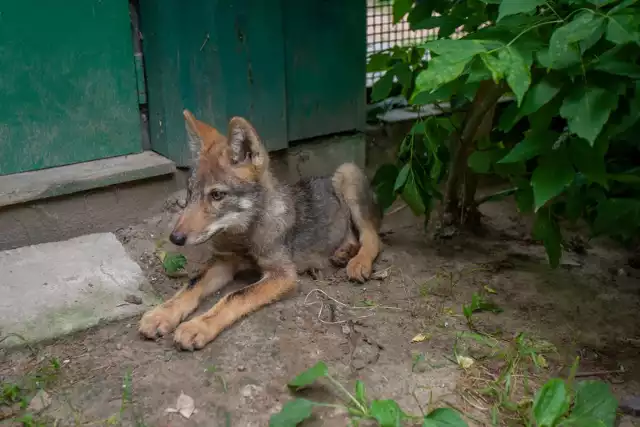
58, 288
29, 186
322, 156
396, 115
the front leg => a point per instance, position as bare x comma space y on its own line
199, 331
164, 318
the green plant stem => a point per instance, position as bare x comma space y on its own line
349, 395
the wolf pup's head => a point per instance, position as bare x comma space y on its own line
226, 187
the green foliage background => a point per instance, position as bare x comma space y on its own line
568, 142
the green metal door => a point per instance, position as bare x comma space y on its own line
218, 59
296, 69
67, 83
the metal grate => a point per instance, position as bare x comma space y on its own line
383, 34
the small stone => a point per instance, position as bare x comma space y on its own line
39, 402
118, 346
250, 390
630, 405
241, 368
133, 299
346, 330
622, 272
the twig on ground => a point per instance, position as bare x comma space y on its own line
599, 373
370, 309
396, 210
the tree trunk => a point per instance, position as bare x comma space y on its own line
462, 182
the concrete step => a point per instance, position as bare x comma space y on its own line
52, 289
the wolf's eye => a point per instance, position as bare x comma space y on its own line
217, 195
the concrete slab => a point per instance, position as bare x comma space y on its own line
28, 186
322, 156
57, 288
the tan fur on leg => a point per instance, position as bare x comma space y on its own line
350, 182
199, 331
347, 250
164, 318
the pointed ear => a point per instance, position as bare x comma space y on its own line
195, 138
246, 146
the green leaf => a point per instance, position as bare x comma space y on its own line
360, 392
402, 177
587, 109
173, 262
386, 412
524, 199
563, 48
456, 50
595, 400
309, 376
618, 67
539, 95
588, 161
383, 185
411, 195
623, 28
542, 118
443, 417
517, 71
494, 64
534, 143
553, 174
512, 7
400, 9
551, 402
403, 73
382, 87
378, 62
292, 413
439, 72
481, 161
618, 217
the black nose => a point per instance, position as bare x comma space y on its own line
178, 238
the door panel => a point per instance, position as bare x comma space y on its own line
67, 83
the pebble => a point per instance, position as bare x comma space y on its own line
133, 299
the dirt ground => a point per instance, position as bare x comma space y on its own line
587, 307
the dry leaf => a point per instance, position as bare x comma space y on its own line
490, 290
449, 311
465, 362
161, 255
421, 337
39, 402
185, 406
542, 361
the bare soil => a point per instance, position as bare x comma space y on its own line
587, 307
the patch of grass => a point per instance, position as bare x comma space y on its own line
386, 413
218, 376
126, 404
16, 394
479, 303
503, 374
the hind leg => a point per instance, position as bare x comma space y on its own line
351, 183
347, 250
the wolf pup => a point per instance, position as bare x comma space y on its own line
254, 222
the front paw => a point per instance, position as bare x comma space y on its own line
359, 269
193, 335
158, 322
